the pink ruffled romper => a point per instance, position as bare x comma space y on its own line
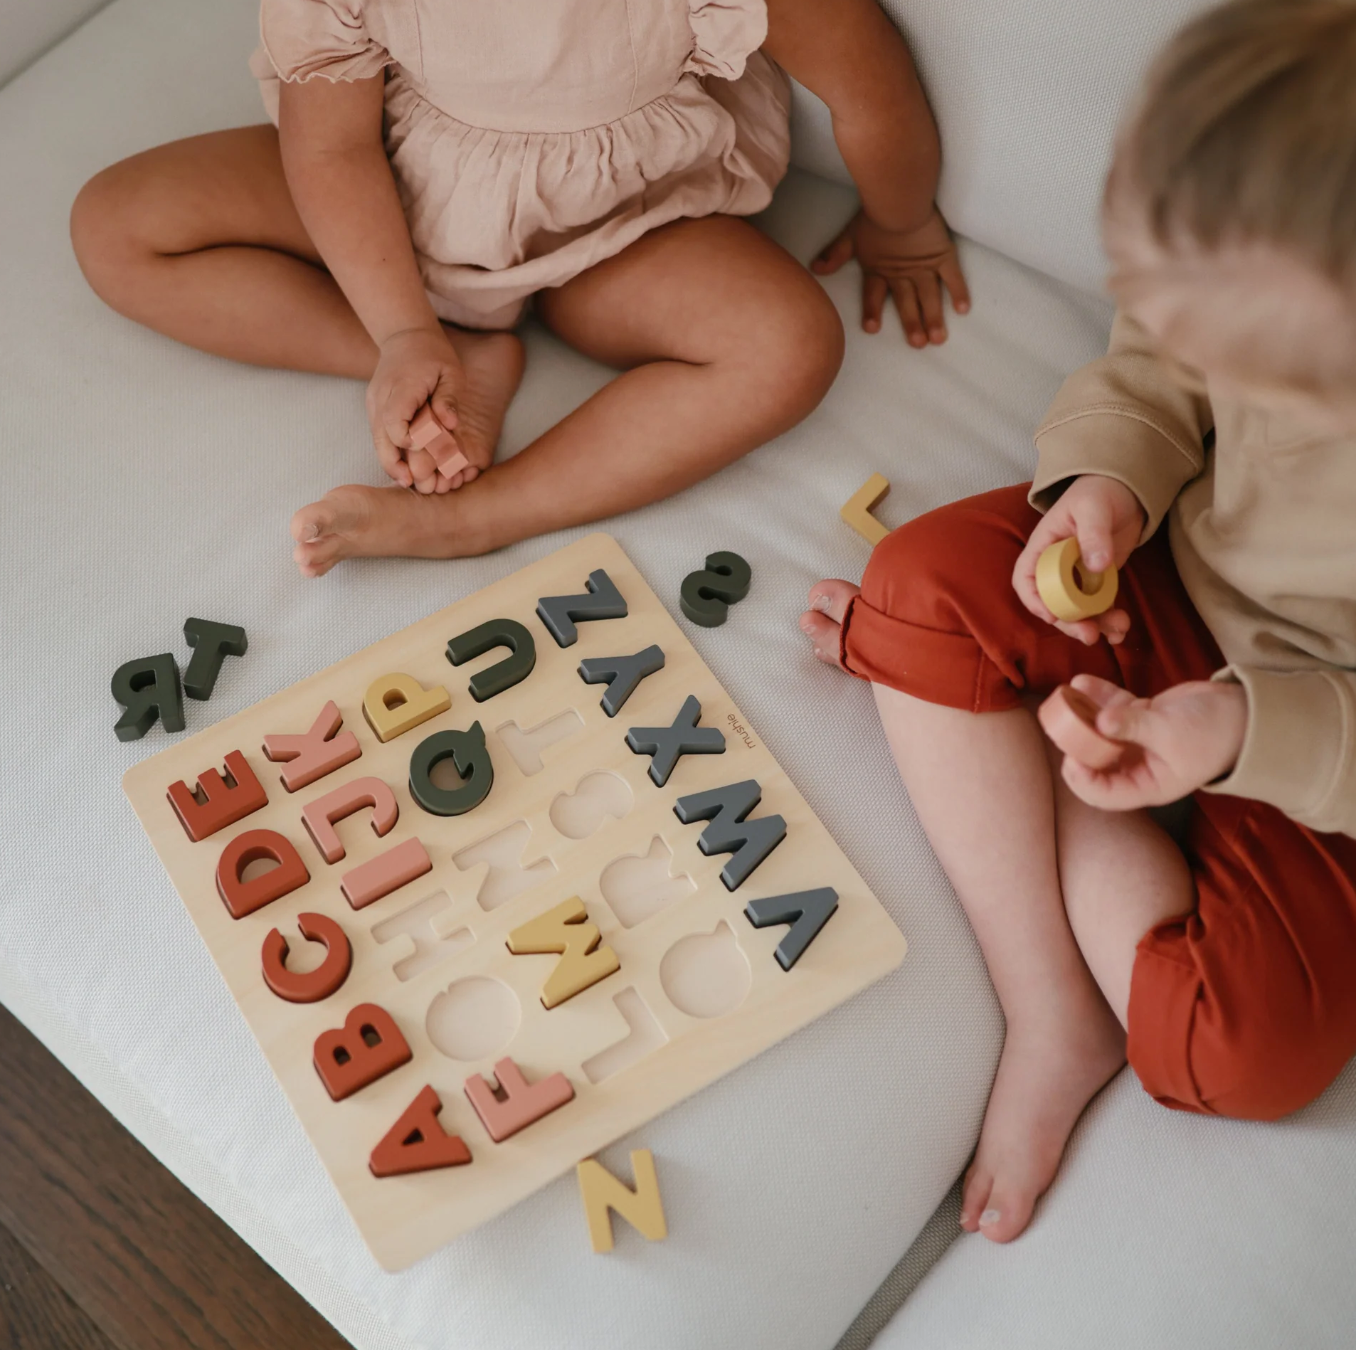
531, 139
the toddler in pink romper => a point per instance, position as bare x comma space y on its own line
531, 141
431, 166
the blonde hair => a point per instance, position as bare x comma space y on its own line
1246, 133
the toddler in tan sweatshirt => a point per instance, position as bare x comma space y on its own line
1211, 455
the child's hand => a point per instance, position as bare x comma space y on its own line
1107, 519
911, 265
1187, 736
415, 367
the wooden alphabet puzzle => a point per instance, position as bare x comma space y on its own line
490, 895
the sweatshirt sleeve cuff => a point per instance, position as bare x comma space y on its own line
1116, 443
1297, 751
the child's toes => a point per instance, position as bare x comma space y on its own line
1006, 1213
313, 522
832, 597
824, 634
315, 559
975, 1197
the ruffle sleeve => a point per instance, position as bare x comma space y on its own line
305, 38
725, 34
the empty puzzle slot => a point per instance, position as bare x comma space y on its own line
643, 1037
507, 877
706, 974
473, 1018
432, 928
597, 797
526, 747
639, 885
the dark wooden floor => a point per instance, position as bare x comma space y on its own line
102, 1249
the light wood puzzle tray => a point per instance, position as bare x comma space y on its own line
572, 812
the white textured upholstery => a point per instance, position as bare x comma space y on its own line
1165, 1232
1028, 94
29, 27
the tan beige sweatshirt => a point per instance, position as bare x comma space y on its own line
1263, 530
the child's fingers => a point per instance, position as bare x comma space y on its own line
423, 469
391, 458
1116, 790
1114, 625
1024, 573
954, 279
930, 302
1094, 527
906, 302
874, 290
1069, 718
833, 255
444, 401
1103, 693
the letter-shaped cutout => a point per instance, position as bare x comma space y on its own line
367, 1047
749, 840
666, 744
145, 690
319, 816
560, 612
513, 669
312, 985
568, 930
387, 872
467, 751
516, 1103
806, 911
212, 643
316, 753
225, 802
395, 704
417, 1142
244, 897
601, 1193
706, 596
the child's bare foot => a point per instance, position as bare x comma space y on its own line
354, 521
492, 367
1047, 1075
823, 620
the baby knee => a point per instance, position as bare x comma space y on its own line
1260, 1066
803, 343
1263, 1077
102, 229
969, 543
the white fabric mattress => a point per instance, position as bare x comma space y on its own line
1165, 1231
144, 483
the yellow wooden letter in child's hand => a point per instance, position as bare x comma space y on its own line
642, 1208
565, 929
396, 703
1069, 590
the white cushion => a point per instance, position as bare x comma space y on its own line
1165, 1230
145, 482
1028, 94
28, 28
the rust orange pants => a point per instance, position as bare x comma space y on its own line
1245, 1007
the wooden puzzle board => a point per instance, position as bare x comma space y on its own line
678, 1014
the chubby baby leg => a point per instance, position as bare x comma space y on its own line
939, 616
723, 340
